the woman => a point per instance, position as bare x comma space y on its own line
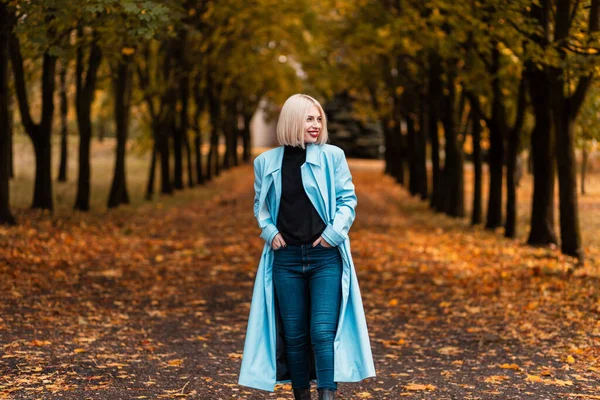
306, 319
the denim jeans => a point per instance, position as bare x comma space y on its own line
308, 287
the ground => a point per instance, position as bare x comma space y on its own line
152, 301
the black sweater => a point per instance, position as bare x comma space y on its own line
298, 220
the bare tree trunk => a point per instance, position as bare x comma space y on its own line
62, 170
435, 94
122, 88
453, 195
584, 162
510, 227
84, 100
246, 140
542, 141
199, 101
496, 152
477, 209
421, 147
151, 174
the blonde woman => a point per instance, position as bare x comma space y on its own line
306, 319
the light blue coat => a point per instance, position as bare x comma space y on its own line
328, 183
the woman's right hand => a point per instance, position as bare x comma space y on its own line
278, 242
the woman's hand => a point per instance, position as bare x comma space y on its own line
278, 242
322, 241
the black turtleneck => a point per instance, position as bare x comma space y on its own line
298, 220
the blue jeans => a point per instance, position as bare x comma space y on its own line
308, 287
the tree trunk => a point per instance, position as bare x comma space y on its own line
198, 133
178, 156
453, 195
542, 151
38, 133
151, 174
180, 107
496, 152
476, 215
398, 145
570, 235
542, 139
6, 217
189, 162
42, 192
510, 227
435, 93
228, 134
62, 170
213, 165
584, 162
421, 148
84, 100
388, 154
11, 132
246, 139
122, 88
413, 182
164, 152
185, 128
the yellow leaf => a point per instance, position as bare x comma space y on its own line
234, 355
449, 350
36, 342
159, 258
533, 378
364, 395
393, 302
127, 51
510, 366
563, 383
570, 359
175, 363
417, 386
77, 351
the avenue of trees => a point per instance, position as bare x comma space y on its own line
444, 75
441, 76
180, 61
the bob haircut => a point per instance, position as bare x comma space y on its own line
290, 126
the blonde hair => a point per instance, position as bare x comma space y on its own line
290, 126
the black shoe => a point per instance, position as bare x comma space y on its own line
302, 394
326, 394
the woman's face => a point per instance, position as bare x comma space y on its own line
312, 125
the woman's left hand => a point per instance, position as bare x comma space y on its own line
322, 241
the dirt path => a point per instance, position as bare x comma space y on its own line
153, 303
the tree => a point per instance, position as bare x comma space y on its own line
39, 133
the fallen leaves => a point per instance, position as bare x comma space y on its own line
156, 302
418, 386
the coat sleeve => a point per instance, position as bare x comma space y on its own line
345, 200
261, 212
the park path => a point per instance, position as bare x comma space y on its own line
153, 303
